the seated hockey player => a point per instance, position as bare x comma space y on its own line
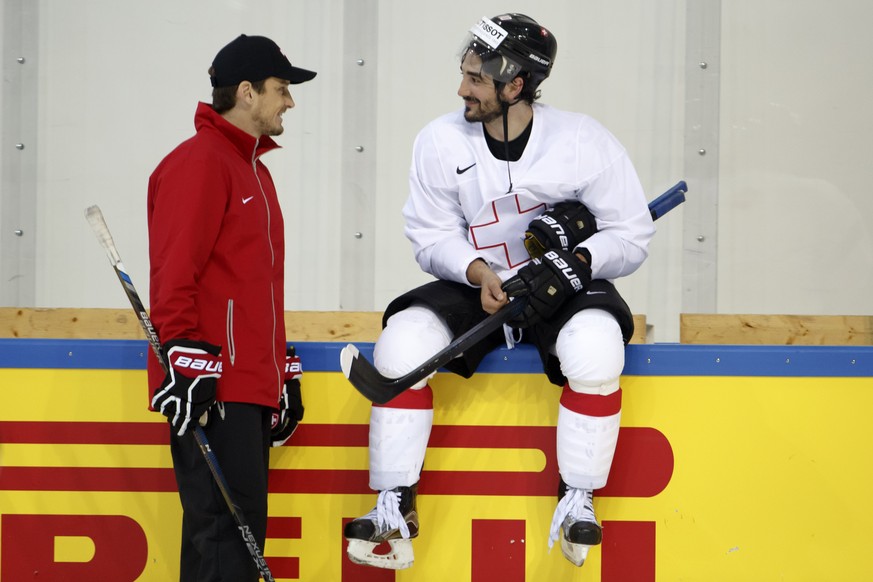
479, 177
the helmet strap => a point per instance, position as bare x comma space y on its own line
505, 105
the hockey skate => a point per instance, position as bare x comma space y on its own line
394, 520
574, 522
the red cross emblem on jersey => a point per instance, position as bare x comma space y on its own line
498, 230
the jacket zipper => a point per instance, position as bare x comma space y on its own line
279, 373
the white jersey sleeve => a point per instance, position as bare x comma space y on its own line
577, 150
615, 197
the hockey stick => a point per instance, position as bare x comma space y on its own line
101, 230
380, 389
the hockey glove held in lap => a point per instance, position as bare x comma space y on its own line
549, 282
189, 387
290, 401
562, 227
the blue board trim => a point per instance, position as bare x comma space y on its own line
640, 359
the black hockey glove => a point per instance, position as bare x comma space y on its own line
563, 227
549, 281
189, 387
290, 401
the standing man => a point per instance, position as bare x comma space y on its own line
217, 250
480, 177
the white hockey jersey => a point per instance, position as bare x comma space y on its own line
461, 208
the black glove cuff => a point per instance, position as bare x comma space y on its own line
193, 344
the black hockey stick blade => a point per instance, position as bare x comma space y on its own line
380, 389
101, 230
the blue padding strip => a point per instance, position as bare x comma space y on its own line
718, 360
73, 353
640, 360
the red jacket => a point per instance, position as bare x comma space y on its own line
217, 252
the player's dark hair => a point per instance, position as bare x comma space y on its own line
224, 98
529, 92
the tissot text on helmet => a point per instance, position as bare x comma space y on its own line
492, 34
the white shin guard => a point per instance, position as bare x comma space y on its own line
586, 446
591, 351
398, 442
398, 436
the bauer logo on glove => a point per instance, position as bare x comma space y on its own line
196, 364
293, 369
189, 388
549, 282
563, 227
566, 270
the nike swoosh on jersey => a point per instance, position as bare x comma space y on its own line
595, 292
461, 171
247, 200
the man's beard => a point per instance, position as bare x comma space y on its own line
266, 126
271, 130
486, 114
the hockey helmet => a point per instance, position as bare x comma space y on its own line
512, 44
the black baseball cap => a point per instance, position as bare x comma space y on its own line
254, 58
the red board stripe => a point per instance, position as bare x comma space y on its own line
86, 479
156, 433
642, 467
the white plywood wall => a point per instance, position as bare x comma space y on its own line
116, 85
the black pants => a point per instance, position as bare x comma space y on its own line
461, 307
213, 549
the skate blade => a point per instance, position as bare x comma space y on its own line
576, 553
399, 557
